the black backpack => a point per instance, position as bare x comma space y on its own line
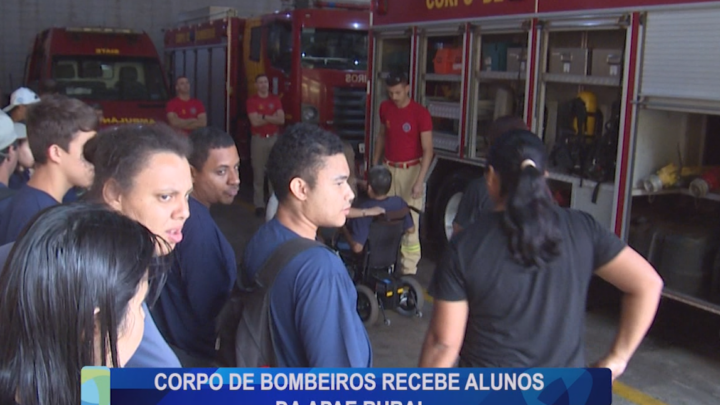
244, 328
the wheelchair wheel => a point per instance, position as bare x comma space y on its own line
367, 305
412, 298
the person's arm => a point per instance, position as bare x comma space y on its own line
428, 152
354, 246
379, 145
200, 122
642, 286
278, 118
445, 335
180, 123
365, 212
326, 318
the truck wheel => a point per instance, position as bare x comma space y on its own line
367, 305
448, 201
412, 298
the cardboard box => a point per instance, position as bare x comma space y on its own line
607, 62
571, 61
517, 60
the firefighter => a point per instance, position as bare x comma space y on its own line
266, 116
405, 142
185, 113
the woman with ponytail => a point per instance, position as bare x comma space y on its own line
511, 288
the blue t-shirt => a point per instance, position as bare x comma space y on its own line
19, 179
7, 195
360, 227
198, 286
313, 304
25, 204
153, 352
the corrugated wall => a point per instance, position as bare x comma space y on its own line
21, 20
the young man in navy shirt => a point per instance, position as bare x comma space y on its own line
58, 128
313, 300
205, 269
357, 229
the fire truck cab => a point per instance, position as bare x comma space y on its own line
118, 69
315, 59
641, 156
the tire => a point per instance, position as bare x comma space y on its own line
448, 200
412, 299
367, 305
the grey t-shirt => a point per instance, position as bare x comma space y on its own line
153, 352
475, 200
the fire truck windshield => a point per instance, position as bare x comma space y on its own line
110, 78
334, 49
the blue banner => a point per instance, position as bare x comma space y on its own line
277, 386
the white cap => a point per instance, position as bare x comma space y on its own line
20, 130
7, 131
22, 96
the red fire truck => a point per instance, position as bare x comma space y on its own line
315, 59
625, 93
116, 68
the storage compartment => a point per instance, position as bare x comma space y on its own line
448, 61
498, 86
683, 255
517, 60
573, 61
607, 62
494, 57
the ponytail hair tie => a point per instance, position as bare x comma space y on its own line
527, 162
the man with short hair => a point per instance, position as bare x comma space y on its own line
476, 198
205, 268
8, 159
357, 230
313, 300
405, 141
19, 102
185, 113
266, 116
59, 128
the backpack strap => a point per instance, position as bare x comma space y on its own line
280, 257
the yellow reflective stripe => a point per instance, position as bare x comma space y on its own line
410, 248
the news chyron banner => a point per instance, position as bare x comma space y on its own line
277, 386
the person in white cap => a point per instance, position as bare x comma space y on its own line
19, 100
25, 160
8, 158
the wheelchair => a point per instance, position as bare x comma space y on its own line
373, 272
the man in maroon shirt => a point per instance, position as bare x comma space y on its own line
266, 115
183, 112
405, 137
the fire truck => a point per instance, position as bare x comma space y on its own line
119, 69
315, 57
625, 94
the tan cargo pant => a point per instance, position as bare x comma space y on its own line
402, 183
259, 151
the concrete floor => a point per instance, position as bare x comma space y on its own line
677, 364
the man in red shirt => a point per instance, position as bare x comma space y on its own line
183, 112
405, 137
266, 115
